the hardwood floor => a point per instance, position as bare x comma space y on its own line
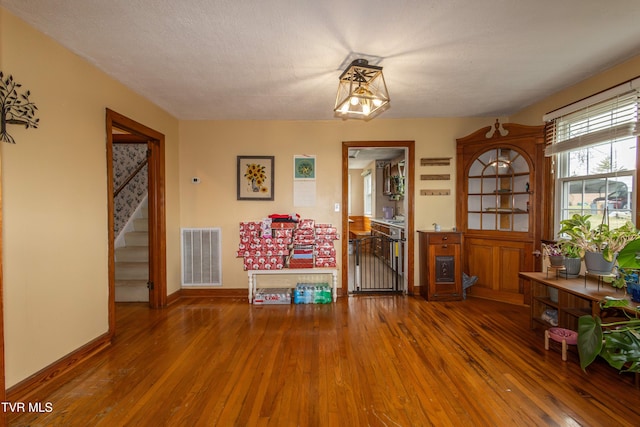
363, 361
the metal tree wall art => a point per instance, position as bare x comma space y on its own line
16, 108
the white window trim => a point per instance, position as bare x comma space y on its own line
624, 92
594, 99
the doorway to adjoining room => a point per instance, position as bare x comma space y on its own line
378, 217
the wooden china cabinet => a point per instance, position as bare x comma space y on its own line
500, 184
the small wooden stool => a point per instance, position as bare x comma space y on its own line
564, 336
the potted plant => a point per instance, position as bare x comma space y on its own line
554, 252
598, 245
616, 342
628, 268
572, 258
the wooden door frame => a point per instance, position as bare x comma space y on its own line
157, 213
409, 194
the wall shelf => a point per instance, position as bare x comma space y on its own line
436, 177
435, 161
435, 192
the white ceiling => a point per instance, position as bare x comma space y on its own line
281, 59
359, 158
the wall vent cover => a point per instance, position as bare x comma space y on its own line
201, 257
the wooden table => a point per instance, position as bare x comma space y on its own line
576, 297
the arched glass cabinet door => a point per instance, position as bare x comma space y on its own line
498, 191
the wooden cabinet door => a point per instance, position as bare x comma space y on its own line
444, 276
497, 264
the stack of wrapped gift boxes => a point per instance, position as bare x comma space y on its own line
325, 251
303, 243
264, 246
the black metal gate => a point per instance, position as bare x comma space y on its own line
377, 264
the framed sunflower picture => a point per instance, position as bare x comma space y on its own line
255, 177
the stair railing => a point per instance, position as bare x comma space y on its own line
131, 176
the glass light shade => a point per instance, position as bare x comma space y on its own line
362, 92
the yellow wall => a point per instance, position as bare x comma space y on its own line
614, 76
208, 149
54, 191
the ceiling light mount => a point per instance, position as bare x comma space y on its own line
362, 92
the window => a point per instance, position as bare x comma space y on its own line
594, 144
368, 192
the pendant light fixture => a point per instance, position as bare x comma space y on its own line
362, 92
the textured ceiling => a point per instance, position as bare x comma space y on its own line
281, 59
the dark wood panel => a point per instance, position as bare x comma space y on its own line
512, 262
478, 256
497, 264
392, 360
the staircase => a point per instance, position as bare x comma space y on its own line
132, 262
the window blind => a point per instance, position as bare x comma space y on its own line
606, 117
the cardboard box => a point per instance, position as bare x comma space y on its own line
301, 263
272, 296
286, 233
283, 225
306, 223
324, 251
327, 230
273, 263
325, 262
267, 252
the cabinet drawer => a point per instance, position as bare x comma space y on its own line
440, 238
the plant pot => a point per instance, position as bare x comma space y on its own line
633, 289
556, 260
595, 263
572, 267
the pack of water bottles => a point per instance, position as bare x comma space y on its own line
312, 293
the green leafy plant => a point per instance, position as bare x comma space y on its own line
552, 249
616, 342
629, 256
569, 250
601, 238
628, 262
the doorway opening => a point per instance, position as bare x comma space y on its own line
121, 128
366, 216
